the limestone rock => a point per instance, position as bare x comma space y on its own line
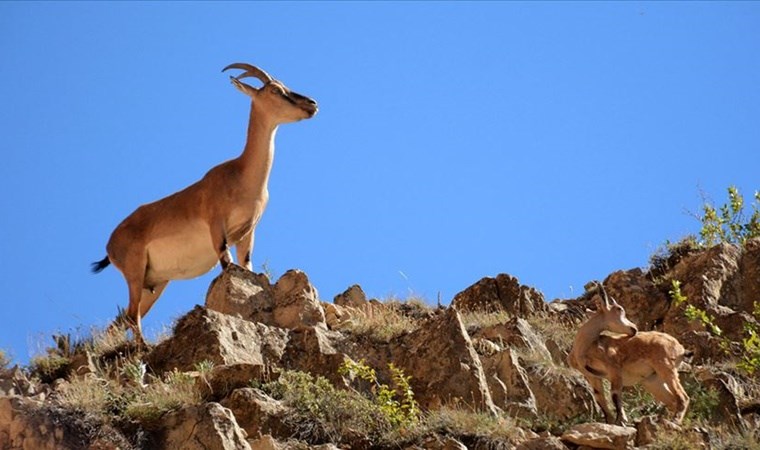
209, 426
601, 435
256, 412
353, 297
645, 304
559, 394
239, 292
517, 333
296, 302
503, 293
224, 379
543, 443
509, 385
291, 303
313, 350
204, 334
443, 364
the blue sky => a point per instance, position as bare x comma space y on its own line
556, 142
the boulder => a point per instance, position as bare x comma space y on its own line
313, 350
503, 293
292, 302
601, 435
543, 443
256, 412
443, 364
560, 394
208, 426
509, 385
645, 304
353, 297
204, 334
239, 292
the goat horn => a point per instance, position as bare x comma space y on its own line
250, 71
605, 297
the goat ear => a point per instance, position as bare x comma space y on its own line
244, 88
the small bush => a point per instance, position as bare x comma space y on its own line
50, 367
321, 413
729, 223
398, 405
147, 404
477, 320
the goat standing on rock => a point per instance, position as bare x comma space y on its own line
184, 235
647, 357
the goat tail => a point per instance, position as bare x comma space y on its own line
98, 266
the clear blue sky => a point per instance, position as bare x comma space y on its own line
557, 142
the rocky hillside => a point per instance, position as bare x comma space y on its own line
272, 366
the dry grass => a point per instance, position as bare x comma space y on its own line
477, 320
5, 361
463, 422
381, 322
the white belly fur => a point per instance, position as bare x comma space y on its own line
187, 253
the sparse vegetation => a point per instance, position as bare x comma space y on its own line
397, 403
5, 361
382, 322
692, 312
729, 222
476, 320
319, 412
750, 362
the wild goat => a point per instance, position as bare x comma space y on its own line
647, 357
183, 235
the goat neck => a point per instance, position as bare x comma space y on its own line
258, 154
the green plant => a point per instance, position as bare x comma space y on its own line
728, 222
49, 367
750, 362
402, 411
692, 312
148, 403
318, 412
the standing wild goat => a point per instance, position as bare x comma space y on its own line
184, 235
647, 357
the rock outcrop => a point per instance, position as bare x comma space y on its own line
252, 331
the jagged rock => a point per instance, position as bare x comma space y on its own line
644, 304
712, 281
517, 333
443, 364
209, 426
256, 412
335, 315
509, 386
312, 350
601, 435
291, 303
503, 293
204, 334
353, 297
239, 292
560, 394
265, 442
648, 427
29, 424
296, 302
224, 379
543, 443
15, 382
727, 410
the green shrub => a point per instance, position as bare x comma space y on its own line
729, 222
321, 413
402, 411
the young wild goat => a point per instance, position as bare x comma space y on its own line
647, 357
183, 235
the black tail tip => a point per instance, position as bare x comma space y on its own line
98, 266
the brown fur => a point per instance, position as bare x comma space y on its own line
185, 234
649, 358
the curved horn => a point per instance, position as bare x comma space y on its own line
250, 71
605, 298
